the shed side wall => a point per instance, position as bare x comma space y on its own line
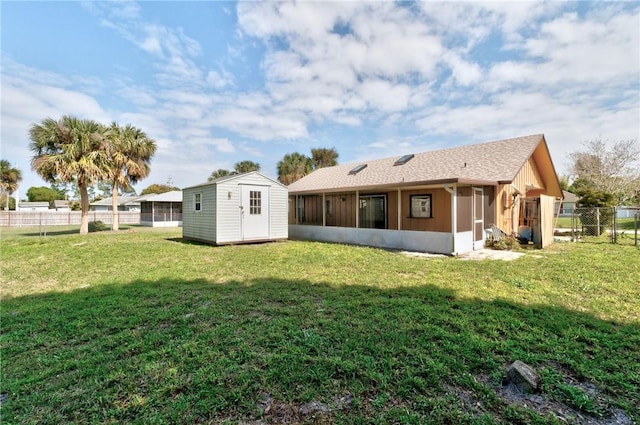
199, 225
278, 212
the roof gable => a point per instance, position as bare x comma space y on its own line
234, 177
485, 163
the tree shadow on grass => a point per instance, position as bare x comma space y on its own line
274, 351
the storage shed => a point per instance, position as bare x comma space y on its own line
239, 208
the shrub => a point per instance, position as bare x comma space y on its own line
506, 243
97, 226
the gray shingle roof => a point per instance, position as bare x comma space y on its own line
122, 200
487, 163
172, 196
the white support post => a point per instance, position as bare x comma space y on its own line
454, 213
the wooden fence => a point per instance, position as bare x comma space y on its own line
62, 218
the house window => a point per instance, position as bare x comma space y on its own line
327, 207
421, 206
255, 202
373, 212
197, 202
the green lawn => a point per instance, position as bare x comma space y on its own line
140, 327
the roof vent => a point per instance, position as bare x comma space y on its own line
356, 170
404, 159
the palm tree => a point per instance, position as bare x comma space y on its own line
293, 166
70, 150
323, 157
245, 167
218, 173
129, 151
9, 179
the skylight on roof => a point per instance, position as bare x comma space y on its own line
358, 169
404, 159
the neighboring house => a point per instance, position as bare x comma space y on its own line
443, 201
564, 207
240, 208
32, 206
61, 205
161, 209
125, 203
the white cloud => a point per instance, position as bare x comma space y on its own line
384, 96
374, 76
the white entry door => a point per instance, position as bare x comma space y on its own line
254, 210
478, 218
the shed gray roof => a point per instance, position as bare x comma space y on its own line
173, 196
232, 177
485, 163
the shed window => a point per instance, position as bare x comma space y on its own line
197, 201
255, 202
421, 206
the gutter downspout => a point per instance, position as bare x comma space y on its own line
454, 214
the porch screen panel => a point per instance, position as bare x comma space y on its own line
373, 211
478, 203
162, 211
310, 209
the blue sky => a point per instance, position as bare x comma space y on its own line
215, 83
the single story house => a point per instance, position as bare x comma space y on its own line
161, 209
565, 207
61, 205
239, 208
125, 203
33, 206
445, 201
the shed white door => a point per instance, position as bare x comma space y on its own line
254, 208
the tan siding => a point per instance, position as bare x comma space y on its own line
489, 206
312, 210
343, 210
392, 210
528, 177
441, 211
291, 209
465, 209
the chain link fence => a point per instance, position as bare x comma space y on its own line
619, 225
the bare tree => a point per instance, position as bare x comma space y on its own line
615, 170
